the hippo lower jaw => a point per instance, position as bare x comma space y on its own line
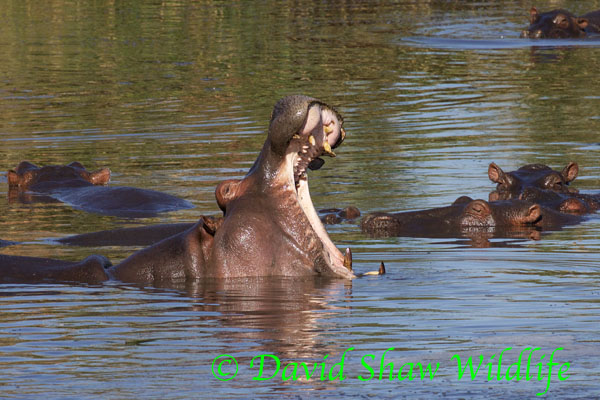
325, 133
340, 264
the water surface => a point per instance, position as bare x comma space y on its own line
175, 96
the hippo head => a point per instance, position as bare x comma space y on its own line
28, 176
512, 184
270, 225
555, 24
481, 214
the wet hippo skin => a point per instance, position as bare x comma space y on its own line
561, 24
17, 269
270, 226
85, 190
465, 215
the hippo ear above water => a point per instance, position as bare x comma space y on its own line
100, 177
570, 172
582, 23
533, 15
496, 175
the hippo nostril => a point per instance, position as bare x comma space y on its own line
525, 34
538, 34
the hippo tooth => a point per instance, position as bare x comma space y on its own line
328, 150
328, 129
348, 259
381, 271
311, 140
296, 136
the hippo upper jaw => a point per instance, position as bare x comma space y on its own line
321, 133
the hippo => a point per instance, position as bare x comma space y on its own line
511, 184
86, 191
18, 269
269, 225
561, 24
571, 203
466, 215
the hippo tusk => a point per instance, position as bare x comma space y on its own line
348, 259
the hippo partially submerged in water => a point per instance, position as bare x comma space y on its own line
86, 190
561, 24
466, 215
541, 184
269, 228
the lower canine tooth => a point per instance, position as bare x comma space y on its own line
328, 150
311, 140
348, 259
328, 129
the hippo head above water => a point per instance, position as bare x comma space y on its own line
28, 176
270, 225
555, 24
512, 184
465, 214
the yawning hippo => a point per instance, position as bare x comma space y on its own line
561, 24
85, 190
270, 226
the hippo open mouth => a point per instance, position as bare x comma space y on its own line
322, 132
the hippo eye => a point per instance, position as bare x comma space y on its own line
561, 21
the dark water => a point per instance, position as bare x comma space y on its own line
175, 96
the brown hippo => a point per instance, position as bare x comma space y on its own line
561, 24
17, 269
571, 203
270, 226
511, 184
465, 214
85, 190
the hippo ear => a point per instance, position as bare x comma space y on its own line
570, 172
533, 214
225, 192
13, 178
462, 200
100, 177
533, 15
582, 23
496, 175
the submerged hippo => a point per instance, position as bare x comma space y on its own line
571, 203
17, 269
465, 214
270, 226
561, 24
511, 184
85, 190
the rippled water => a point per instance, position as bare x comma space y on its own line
175, 96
